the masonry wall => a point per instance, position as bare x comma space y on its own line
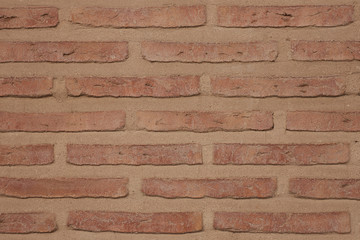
180, 120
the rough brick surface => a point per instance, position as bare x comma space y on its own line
325, 188
284, 16
279, 87
126, 222
204, 121
209, 52
28, 17
325, 51
26, 155
281, 154
80, 154
26, 86
62, 122
168, 17
173, 86
215, 188
64, 187
323, 121
63, 51
27, 223
329, 222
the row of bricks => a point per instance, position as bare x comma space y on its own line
180, 222
177, 86
179, 154
193, 121
85, 52
236, 188
182, 16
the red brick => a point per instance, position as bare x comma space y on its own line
63, 51
284, 16
27, 223
168, 17
204, 121
61, 122
277, 87
215, 188
64, 187
325, 51
134, 154
209, 52
281, 154
323, 121
126, 222
325, 188
26, 155
28, 17
173, 86
26, 86
327, 222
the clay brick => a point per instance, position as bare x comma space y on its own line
63, 51
173, 86
209, 52
62, 121
80, 154
323, 121
204, 121
325, 188
284, 16
27, 223
26, 155
277, 87
25, 86
64, 187
327, 222
28, 17
215, 188
281, 154
167, 17
126, 222
325, 51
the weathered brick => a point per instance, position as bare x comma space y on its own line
215, 188
127, 222
204, 121
63, 51
284, 16
325, 188
26, 86
28, 17
327, 222
26, 155
167, 17
209, 52
62, 121
281, 154
64, 187
173, 86
325, 51
80, 154
27, 223
323, 121
278, 87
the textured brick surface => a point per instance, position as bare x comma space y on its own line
168, 17
173, 86
79, 154
27, 223
26, 86
26, 155
281, 154
174, 222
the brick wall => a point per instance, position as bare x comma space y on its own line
180, 120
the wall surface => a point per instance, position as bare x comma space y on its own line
205, 119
